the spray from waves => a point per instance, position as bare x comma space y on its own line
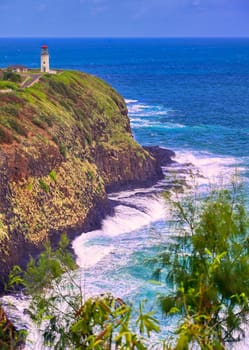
16, 307
132, 213
212, 169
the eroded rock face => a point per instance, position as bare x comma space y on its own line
127, 168
164, 157
64, 142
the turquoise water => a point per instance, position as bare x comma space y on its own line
190, 95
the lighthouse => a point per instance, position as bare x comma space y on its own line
44, 59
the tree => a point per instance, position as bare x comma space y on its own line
11, 76
207, 268
68, 319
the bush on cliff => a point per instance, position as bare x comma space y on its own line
11, 76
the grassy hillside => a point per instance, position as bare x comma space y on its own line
69, 100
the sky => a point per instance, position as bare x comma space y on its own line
124, 18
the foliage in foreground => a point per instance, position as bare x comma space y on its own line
66, 318
207, 268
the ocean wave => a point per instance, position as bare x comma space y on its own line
133, 213
212, 169
141, 123
130, 101
136, 108
149, 113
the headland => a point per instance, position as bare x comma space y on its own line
65, 141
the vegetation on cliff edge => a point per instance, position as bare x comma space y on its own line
62, 142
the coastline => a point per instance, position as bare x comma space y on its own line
101, 208
71, 144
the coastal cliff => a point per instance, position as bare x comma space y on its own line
64, 142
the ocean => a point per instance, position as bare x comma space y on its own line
188, 95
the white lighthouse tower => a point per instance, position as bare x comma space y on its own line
45, 59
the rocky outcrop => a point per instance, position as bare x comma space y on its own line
127, 168
64, 142
163, 156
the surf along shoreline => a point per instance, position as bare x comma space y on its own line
100, 210
106, 207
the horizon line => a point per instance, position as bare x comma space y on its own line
124, 37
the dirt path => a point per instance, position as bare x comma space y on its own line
30, 80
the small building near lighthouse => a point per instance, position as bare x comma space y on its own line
18, 68
45, 59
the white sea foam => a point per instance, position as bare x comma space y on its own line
130, 101
16, 307
212, 169
136, 108
141, 123
132, 214
146, 116
146, 112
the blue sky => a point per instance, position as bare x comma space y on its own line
126, 18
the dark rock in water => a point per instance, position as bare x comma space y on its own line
162, 155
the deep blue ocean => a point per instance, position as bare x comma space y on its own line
189, 95
193, 93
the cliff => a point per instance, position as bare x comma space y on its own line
64, 142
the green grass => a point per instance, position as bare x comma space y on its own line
72, 108
5, 85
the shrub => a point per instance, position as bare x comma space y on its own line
207, 268
100, 322
44, 186
11, 76
17, 127
38, 123
53, 175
